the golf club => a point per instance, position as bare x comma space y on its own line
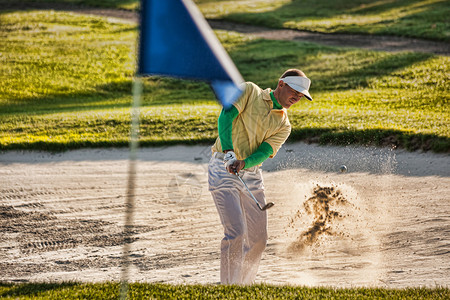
267, 206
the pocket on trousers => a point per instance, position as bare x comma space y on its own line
214, 174
218, 177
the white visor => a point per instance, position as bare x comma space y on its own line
300, 84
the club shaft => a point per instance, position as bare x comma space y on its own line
248, 190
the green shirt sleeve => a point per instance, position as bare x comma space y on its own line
261, 154
225, 126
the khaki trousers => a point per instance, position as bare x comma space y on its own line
245, 226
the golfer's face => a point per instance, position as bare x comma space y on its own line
289, 96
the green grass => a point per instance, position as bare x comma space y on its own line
119, 4
66, 83
426, 19
166, 291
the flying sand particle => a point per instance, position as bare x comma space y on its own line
323, 206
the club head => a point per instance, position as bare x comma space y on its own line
268, 205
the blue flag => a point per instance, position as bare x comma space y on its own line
176, 41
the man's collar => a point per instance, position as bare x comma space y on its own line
266, 97
276, 105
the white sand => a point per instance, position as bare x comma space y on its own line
62, 217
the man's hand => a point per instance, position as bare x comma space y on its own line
231, 163
235, 166
230, 157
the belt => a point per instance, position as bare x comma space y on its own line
221, 156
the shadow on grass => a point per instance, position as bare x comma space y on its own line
324, 136
260, 61
298, 10
413, 10
373, 137
114, 95
73, 145
32, 289
360, 77
253, 58
11, 5
67, 102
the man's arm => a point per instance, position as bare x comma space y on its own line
267, 149
263, 152
225, 127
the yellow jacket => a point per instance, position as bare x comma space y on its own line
256, 123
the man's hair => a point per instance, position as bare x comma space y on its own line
293, 72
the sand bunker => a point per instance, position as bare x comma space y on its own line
384, 223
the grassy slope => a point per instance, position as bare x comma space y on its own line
165, 291
426, 19
68, 81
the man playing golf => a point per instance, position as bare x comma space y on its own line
252, 130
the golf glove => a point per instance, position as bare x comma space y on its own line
229, 158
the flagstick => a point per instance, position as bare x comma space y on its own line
134, 145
